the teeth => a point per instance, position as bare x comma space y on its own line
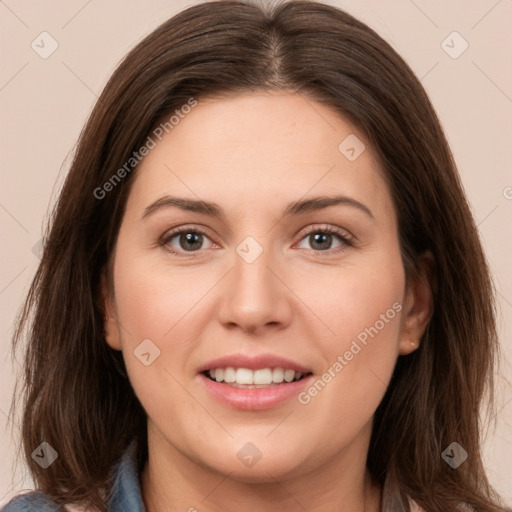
289, 375
261, 377
244, 376
278, 375
229, 375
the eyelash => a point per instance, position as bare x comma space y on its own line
342, 236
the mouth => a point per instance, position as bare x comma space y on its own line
246, 378
253, 382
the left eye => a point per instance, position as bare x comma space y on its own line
322, 240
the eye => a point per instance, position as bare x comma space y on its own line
184, 239
321, 239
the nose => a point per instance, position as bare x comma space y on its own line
254, 297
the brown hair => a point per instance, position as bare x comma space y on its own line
77, 394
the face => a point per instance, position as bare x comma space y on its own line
231, 277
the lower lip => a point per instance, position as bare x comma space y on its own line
256, 398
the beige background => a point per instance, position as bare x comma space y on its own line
44, 103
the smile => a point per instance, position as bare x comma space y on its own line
253, 382
253, 379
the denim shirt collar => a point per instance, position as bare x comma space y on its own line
126, 491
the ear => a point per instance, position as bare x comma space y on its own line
110, 323
418, 304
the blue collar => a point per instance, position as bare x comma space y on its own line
126, 491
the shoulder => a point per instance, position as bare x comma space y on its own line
125, 493
32, 501
36, 501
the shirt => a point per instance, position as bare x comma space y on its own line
127, 497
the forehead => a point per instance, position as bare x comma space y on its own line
275, 147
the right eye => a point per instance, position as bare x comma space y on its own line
184, 240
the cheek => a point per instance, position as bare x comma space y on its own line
154, 308
356, 299
362, 307
153, 301
154, 311
366, 306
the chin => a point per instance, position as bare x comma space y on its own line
267, 469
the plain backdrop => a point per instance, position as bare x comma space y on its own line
44, 103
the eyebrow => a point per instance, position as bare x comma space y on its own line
295, 208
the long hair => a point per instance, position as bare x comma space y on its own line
77, 396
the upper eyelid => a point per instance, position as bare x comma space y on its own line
325, 227
304, 231
184, 229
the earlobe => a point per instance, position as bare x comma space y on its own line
418, 304
110, 325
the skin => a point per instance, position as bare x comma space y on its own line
253, 154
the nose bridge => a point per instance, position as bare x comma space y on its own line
254, 297
253, 276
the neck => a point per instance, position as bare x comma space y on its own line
171, 481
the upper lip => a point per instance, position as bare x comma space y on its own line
253, 363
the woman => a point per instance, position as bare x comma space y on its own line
194, 347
